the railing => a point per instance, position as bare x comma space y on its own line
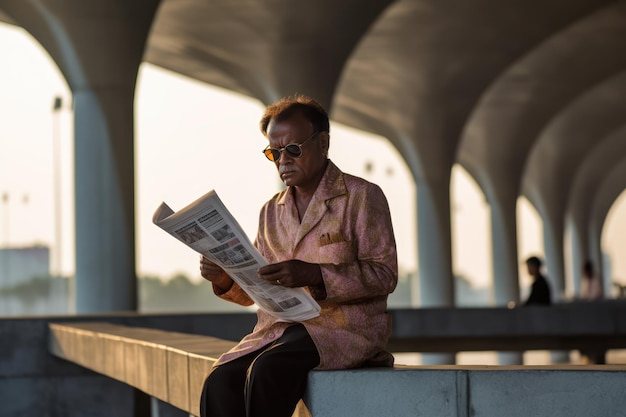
579, 325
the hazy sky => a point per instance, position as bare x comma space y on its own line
190, 138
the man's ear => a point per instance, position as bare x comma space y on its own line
325, 142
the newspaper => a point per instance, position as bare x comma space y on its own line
207, 227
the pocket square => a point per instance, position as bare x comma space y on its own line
328, 238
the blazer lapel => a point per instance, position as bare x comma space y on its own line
330, 186
289, 221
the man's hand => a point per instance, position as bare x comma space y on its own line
292, 273
214, 273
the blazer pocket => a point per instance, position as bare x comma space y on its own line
336, 253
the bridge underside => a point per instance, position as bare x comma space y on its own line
527, 97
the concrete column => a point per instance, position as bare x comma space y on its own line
595, 247
434, 246
104, 189
506, 281
510, 358
580, 245
98, 49
435, 255
504, 247
553, 232
604, 197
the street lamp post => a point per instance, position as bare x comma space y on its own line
4, 281
5, 204
56, 109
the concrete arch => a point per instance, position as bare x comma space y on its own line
594, 170
410, 70
610, 189
514, 110
427, 88
98, 49
516, 107
264, 50
557, 154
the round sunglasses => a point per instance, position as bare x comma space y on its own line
294, 150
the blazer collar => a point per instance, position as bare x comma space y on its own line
331, 185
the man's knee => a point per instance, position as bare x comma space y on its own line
220, 378
264, 365
209, 381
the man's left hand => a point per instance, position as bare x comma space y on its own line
292, 273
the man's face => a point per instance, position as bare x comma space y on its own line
306, 170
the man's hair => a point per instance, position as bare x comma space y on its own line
533, 260
286, 107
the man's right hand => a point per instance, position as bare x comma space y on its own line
214, 273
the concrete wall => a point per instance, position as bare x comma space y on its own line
35, 383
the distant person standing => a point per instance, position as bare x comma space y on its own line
540, 289
591, 287
591, 290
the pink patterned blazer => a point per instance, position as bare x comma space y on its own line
347, 230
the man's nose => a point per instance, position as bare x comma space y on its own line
283, 155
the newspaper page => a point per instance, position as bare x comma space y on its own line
207, 227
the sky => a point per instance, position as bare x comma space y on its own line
192, 137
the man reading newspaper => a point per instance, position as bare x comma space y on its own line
327, 232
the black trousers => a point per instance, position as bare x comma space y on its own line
265, 383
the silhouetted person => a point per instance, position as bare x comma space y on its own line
591, 286
591, 289
540, 289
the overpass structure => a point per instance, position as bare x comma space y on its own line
527, 96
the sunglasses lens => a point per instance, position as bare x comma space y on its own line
271, 154
275, 154
294, 150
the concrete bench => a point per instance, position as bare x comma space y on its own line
172, 366
166, 365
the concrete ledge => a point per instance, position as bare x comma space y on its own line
582, 325
172, 366
463, 391
167, 365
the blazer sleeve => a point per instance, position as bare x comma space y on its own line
368, 268
235, 295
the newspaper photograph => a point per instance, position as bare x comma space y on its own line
207, 227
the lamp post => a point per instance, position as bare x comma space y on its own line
5, 204
4, 258
4, 254
56, 109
